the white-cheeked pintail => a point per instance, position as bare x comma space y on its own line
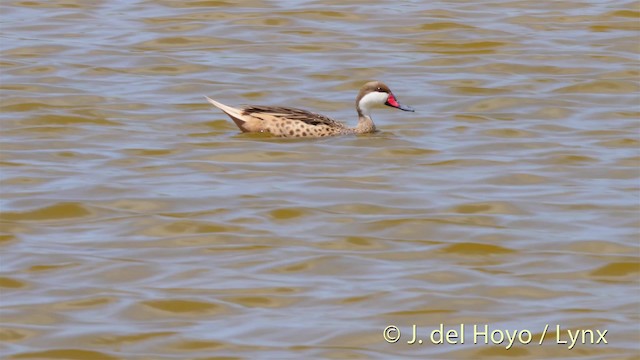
292, 122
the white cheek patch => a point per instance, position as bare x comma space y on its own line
372, 99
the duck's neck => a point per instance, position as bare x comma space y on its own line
365, 124
363, 106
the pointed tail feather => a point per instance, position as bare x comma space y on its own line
234, 114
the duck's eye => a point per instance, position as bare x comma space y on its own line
379, 89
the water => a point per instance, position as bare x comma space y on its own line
137, 223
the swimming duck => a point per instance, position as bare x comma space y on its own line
292, 122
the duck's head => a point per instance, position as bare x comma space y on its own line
375, 93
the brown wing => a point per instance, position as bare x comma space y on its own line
292, 114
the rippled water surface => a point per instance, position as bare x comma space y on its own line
138, 223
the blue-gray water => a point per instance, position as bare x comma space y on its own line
137, 223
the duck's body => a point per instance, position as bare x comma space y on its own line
282, 121
292, 122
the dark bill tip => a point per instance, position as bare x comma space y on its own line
405, 108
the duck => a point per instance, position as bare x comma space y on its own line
282, 121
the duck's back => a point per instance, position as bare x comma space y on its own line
292, 122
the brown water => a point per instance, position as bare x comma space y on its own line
139, 224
